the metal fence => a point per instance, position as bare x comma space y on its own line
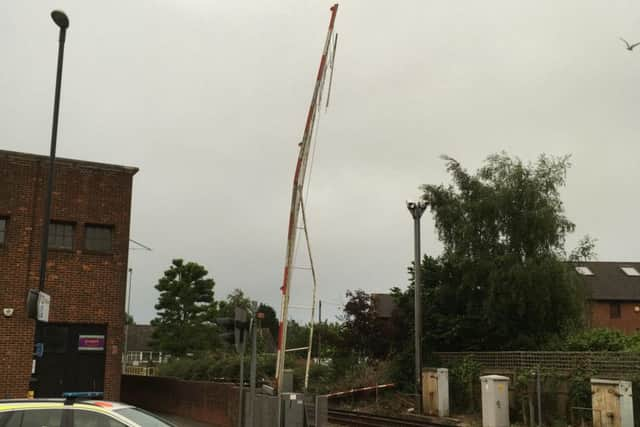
316, 408
145, 371
141, 357
621, 363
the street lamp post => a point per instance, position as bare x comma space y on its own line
62, 22
417, 209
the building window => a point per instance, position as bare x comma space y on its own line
61, 235
630, 271
615, 311
98, 238
3, 230
584, 271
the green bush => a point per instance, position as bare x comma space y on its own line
464, 377
597, 340
217, 366
401, 370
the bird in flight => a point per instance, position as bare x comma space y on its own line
629, 46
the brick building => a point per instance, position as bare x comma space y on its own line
86, 275
612, 291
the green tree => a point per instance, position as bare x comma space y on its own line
186, 309
128, 319
270, 320
235, 299
586, 250
297, 336
502, 281
364, 333
329, 339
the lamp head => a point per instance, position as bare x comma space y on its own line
60, 18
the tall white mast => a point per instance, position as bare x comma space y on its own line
296, 197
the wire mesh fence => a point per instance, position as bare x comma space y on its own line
612, 363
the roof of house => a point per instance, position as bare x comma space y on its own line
139, 337
383, 305
72, 162
608, 280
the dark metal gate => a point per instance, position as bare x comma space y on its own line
73, 358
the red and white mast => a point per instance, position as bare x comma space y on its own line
296, 198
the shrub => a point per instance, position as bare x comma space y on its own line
597, 340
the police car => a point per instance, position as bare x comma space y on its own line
75, 411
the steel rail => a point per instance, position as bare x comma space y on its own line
352, 418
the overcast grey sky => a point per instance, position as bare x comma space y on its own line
208, 98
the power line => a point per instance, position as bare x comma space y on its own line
142, 247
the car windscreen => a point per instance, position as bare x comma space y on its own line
142, 418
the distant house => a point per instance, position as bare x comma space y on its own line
139, 337
139, 350
613, 294
383, 305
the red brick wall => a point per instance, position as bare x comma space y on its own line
212, 403
84, 287
629, 321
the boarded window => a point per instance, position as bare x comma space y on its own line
3, 230
61, 235
98, 238
615, 311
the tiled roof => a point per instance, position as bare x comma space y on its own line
138, 337
610, 282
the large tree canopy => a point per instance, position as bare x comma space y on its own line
186, 309
501, 281
507, 208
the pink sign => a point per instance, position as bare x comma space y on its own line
91, 342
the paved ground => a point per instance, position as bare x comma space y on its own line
183, 422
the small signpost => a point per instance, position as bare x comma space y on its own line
44, 300
38, 349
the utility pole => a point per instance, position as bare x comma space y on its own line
126, 320
417, 209
319, 323
236, 332
539, 393
257, 317
240, 320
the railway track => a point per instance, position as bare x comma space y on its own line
361, 419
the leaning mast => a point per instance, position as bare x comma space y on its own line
296, 199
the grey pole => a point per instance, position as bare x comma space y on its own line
130, 289
539, 390
252, 376
241, 383
62, 22
417, 209
126, 325
319, 323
